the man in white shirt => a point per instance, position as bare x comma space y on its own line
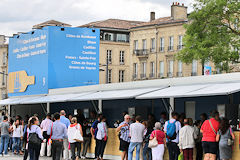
136, 134
172, 142
186, 140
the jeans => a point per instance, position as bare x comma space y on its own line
34, 151
101, 144
57, 147
65, 149
73, 146
131, 148
173, 150
147, 152
86, 143
4, 144
16, 144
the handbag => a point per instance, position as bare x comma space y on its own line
212, 127
230, 141
77, 135
180, 157
153, 142
34, 139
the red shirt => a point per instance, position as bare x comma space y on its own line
160, 136
208, 133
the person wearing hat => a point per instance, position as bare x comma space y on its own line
158, 151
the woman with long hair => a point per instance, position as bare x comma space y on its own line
34, 149
225, 134
17, 136
73, 143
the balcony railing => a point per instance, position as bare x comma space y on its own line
194, 74
170, 48
152, 75
152, 50
179, 74
122, 63
161, 49
180, 47
134, 76
170, 74
160, 75
141, 52
143, 76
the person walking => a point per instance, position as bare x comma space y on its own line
5, 129
171, 129
124, 136
17, 136
136, 134
46, 123
34, 149
58, 132
101, 138
94, 130
186, 140
65, 121
74, 126
158, 151
86, 138
209, 130
224, 135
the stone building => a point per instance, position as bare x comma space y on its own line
3, 67
114, 46
154, 44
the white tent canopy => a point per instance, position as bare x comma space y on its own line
193, 91
115, 94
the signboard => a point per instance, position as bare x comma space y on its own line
53, 57
28, 63
207, 70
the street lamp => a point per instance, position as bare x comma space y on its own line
105, 65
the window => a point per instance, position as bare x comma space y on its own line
170, 68
161, 44
153, 44
4, 58
121, 60
109, 56
122, 38
121, 75
170, 47
190, 109
180, 38
3, 78
108, 36
152, 69
109, 76
161, 64
144, 42
143, 75
194, 67
179, 69
136, 44
135, 70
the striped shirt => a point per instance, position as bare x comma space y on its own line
125, 132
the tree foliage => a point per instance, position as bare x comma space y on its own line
213, 33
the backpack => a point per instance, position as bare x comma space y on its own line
95, 128
171, 130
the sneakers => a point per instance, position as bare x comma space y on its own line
6, 155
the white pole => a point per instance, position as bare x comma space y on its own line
9, 110
100, 105
48, 107
172, 107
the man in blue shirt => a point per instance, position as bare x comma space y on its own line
65, 121
58, 133
93, 130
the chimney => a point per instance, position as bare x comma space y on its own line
178, 11
152, 16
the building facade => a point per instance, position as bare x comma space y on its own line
154, 44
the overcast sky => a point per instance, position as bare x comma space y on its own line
21, 15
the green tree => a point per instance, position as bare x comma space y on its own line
212, 33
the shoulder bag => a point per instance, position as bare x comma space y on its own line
230, 140
77, 135
153, 142
212, 127
34, 139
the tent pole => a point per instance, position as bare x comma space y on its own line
172, 107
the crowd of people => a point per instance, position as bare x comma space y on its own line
60, 136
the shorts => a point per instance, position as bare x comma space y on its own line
124, 145
210, 147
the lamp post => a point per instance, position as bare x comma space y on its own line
105, 65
